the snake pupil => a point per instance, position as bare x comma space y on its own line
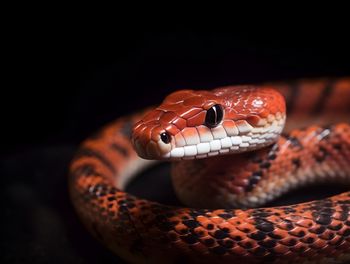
165, 137
214, 116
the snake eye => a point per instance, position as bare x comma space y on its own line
165, 137
214, 116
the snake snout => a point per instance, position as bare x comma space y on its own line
151, 141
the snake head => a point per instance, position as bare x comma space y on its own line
198, 124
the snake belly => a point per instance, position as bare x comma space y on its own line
142, 231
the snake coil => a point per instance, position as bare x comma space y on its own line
228, 153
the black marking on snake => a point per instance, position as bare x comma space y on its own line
322, 218
344, 215
272, 156
289, 224
111, 198
296, 162
337, 146
274, 236
228, 243
190, 238
199, 233
122, 204
256, 159
346, 232
318, 230
113, 190
259, 251
210, 226
268, 243
257, 235
197, 212
301, 249
98, 190
336, 227
253, 180
219, 234
265, 165
322, 155
327, 91
226, 215
120, 149
309, 240
327, 210
225, 229
184, 231
190, 223
238, 238
264, 225
294, 141
330, 236
219, 250
124, 208
246, 245
261, 213
209, 242
301, 233
88, 152
84, 170
166, 226
292, 242
339, 242
321, 207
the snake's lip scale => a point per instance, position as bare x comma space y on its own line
142, 231
219, 140
252, 138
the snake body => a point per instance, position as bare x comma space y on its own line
228, 153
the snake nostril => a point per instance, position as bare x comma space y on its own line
165, 137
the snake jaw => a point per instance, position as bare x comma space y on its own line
230, 137
202, 142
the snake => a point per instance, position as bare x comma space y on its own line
233, 149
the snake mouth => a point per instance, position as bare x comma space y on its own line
221, 140
203, 142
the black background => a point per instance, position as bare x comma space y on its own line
56, 101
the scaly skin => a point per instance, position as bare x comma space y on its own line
148, 232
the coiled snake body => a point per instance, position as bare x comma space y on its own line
196, 128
